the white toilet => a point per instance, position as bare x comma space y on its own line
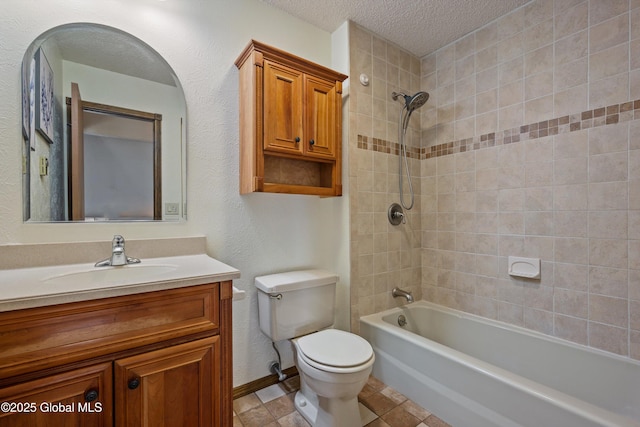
334, 365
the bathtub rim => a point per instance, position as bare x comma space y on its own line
496, 323
544, 392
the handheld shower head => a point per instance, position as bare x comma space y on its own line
412, 102
416, 101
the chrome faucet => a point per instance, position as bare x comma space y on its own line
118, 256
397, 292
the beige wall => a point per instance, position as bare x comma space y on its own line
530, 147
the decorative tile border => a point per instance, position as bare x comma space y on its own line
617, 113
382, 146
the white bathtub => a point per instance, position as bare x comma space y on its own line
474, 372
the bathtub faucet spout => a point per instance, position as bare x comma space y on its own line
397, 292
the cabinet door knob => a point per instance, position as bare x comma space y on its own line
312, 142
90, 395
133, 383
297, 139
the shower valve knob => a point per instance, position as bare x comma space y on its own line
396, 214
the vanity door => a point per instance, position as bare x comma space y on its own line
82, 397
175, 386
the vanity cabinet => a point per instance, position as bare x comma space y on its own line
80, 397
290, 124
169, 387
158, 358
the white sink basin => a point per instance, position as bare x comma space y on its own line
39, 286
113, 275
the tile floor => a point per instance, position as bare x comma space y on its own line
380, 406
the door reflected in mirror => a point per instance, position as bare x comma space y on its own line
118, 146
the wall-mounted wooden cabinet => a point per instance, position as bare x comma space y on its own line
290, 124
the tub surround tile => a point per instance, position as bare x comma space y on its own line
532, 151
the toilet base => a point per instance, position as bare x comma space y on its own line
322, 412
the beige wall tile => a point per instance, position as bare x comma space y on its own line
539, 60
576, 197
634, 350
572, 303
634, 83
571, 276
609, 62
608, 167
634, 315
609, 281
608, 252
607, 139
571, 328
602, 10
635, 19
609, 33
538, 85
486, 36
570, 223
538, 35
571, 48
487, 79
511, 23
571, 74
570, 170
571, 250
486, 58
608, 338
572, 20
568, 101
510, 71
510, 47
538, 109
608, 224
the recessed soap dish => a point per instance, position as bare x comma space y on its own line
524, 267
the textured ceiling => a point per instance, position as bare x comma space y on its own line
419, 26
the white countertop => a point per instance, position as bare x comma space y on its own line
42, 286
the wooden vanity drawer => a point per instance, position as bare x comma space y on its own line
42, 338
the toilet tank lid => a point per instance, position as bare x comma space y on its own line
294, 280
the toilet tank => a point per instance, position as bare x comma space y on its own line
296, 303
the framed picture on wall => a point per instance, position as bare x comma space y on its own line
44, 96
32, 104
25, 102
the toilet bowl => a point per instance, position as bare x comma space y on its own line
334, 366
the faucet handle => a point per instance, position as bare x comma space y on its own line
118, 240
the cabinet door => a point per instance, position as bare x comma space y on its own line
79, 398
320, 97
175, 386
282, 108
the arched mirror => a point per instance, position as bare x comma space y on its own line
104, 126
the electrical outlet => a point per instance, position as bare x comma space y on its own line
171, 208
44, 166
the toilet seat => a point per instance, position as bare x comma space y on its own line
333, 350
